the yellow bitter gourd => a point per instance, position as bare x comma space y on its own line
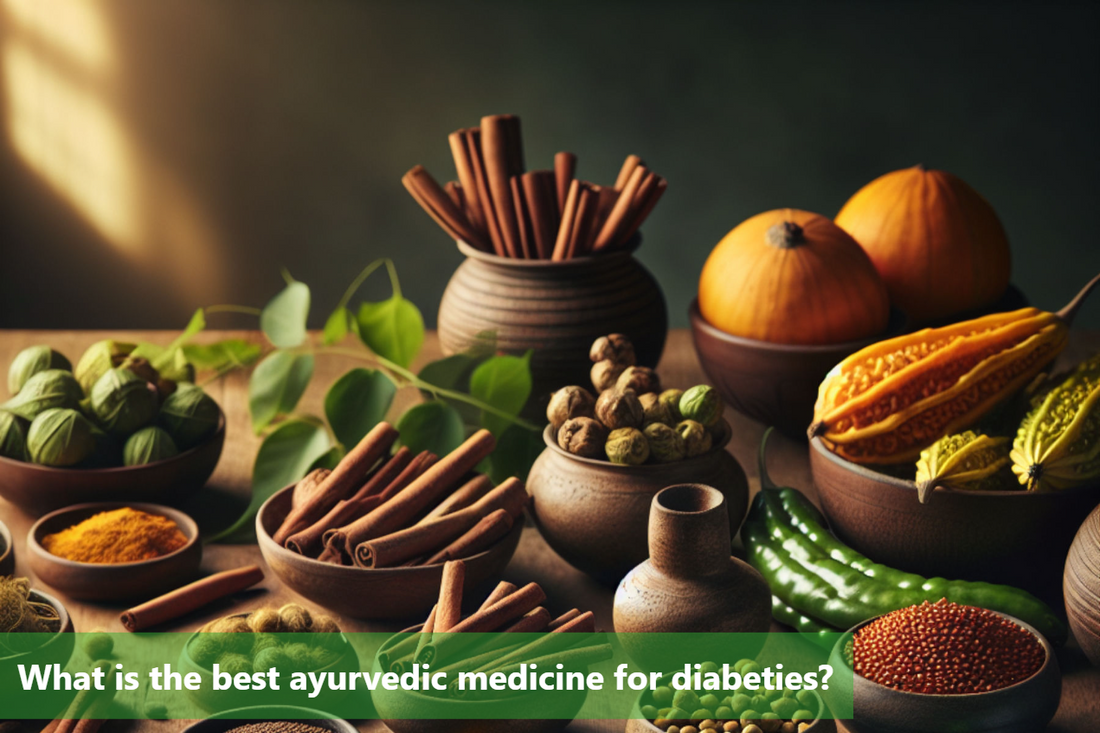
966, 460
1058, 443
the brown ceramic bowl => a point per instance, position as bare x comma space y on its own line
396, 707
60, 646
555, 308
1025, 707
773, 383
1013, 537
595, 514
384, 593
639, 724
7, 551
227, 720
212, 700
1081, 584
39, 489
118, 581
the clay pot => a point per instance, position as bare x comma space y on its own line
1081, 585
690, 583
555, 308
594, 513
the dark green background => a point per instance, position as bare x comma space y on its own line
285, 126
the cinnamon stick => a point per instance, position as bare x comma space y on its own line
425, 632
481, 178
523, 223
480, 537
631, 162
515, 144
465, 169
84, 703
564, 618
503, 589
487, 619
660, 185
190, 597
533, 621
495, 149
308, 486
463, 497
585, 623
568, 216
344, 479
616, 220
423, 186
582, 225
403, 647
453, 190
565, 168
541, 212
450, 596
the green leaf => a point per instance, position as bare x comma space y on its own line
222, 355
336, 327
433, 426
515, 453
505, 383
285, 456
329, 458
393, 329
283, 319
357, 402
276, 385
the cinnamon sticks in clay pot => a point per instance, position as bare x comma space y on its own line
499, 207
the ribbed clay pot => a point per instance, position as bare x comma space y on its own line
1081, 585
690, 583
595, 513
555, 308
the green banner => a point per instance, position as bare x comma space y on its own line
414, 676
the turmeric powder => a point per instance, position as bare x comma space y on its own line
117, 536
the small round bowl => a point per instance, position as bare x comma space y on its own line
773, 383
211, 700
39, 489
639, 724
1025, 707
970, 535
7, 551
384, 593
112, 581
396, 707
59, 648
595, 513
1081, 584
228, 720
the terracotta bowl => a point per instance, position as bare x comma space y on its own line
1081, 584
230, 719
395, 707
385, 593
209, 699
556, 308
773, 383
1025, 707
968, 535
59, 648
39, 489
639, 724
119, 581
595, 514
7, 551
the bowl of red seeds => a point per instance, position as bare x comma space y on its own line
945, 666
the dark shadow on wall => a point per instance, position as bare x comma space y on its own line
162, 156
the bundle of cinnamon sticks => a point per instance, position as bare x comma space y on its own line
442, 644
377, 510
499, 207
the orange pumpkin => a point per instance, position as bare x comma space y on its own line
792, 277
936, 242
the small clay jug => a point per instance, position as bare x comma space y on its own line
690, 583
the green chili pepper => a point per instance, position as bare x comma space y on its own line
784, 614
814, 575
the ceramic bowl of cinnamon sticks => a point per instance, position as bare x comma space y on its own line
549, 256
479, 641
369, 538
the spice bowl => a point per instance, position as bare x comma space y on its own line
595, 513
112, 581
969, 535
59, 647
773, 383
1081, 584
555, 308
398, 708
7, 551
1025, 707
382, 593
227, 720
39, 489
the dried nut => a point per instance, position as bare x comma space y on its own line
639, 379
752, 728
708, 725
697, 440
665, 444
583, 436
619, 409
614, 347
732, 726
570, 402
701, 404
605, 374
689, 729
788, 727
802, 727
655, 410
627, 446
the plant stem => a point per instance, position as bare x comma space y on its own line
230, 308
361, 278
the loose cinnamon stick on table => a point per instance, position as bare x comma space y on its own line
565, 169
465, 169
480, 537
495, 149
568, 218
343, 481
612, 228
190, 597
484, 194
450, 596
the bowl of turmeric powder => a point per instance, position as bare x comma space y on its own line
113, 551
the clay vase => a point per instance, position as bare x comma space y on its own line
556, 309
1081, 585
690, 583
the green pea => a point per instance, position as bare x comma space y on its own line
749, 716
751, 667
785, 707
649, 712
808, 699
709, 701
701, 714
686, 700
724, 712
803, 715
676, 714
740, 665
773, 694
706, 667
662, 695
740, 703
759, 702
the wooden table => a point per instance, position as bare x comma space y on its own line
534, 561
